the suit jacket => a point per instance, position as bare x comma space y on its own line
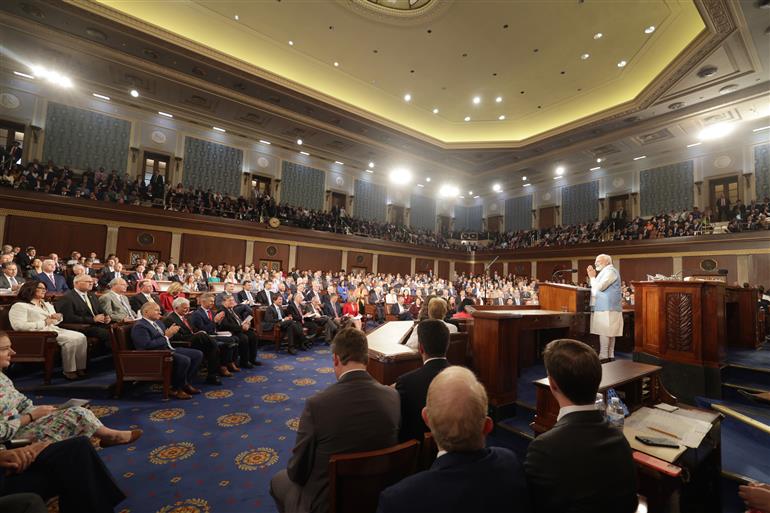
6, 284
241, 296
413, 389
375, 298
489, 480
23, 261
295, 312
355, 414
262, 297
559, 478
58, 285
138, 299
329, 309
107, 277
114, 307
231, 322
145, 336
271, 318
74, 309
200, 321
133, 279
185, 333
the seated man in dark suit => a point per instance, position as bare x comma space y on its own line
466, 476
150, 333
581, 465
433, 341
247, 296
296, 311
355, 414
377, 298
400, 310
265, 297
198, 339
110, 274
81, 306
9, 277
241, 330
54, 282
207, 320
144, 295
293, 329
70, 469
243, 311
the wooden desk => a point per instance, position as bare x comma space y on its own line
742, 316
504, 340
637, 383
389, 358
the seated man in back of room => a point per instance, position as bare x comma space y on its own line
466, 476
581, 465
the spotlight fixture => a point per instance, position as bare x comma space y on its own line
435, 111
497, 187
650, 29
336, 64
400, 175
265, 142
427, 179
598, 35
467, 118
470, 193
715, 131
166, 114
523, 178
599, 160
640, 157
291, 43
622, 64
236, 17
499, 99
134, 93
501, 117
371, 165
476, 100
219, 129
559, 170
305, 153
100, 96
407, 97
23, 75
299, 142
585, 56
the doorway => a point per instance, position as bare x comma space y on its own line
494, 224
727, 187
261, 185
397, 215
155, 162
546, 217
11, 133
339, 201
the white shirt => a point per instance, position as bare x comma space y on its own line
572, 409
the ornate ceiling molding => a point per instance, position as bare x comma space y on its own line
398, 12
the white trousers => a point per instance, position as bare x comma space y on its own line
606, 347
74, 349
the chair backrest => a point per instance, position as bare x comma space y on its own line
428, 452
259, 313
356, 479
458, 349
121, 336
5, 324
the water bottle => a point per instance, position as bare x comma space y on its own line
615, 413
600, 406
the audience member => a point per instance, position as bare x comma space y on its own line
166, 298
145, 294
206, 320
355, 414
32, 313
437, 309
559, 480
756, 496
241, 330
115, 303
350, 311
81, 306
400, 310
466, 476
53, 282
8, 278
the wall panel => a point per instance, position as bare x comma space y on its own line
729, 262
359, 259
497, 267
302, 186
545, 269
666, 188
759, 270
394, 264
318, 259
520, 268
443, 269
370, 200
214, 166
580, 203
51, 236
462, 267
637, 269
129, 240
424, 265
422, 212
214, 250
271, 251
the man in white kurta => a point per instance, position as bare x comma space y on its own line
606, 297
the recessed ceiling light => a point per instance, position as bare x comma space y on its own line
219, 129
640, 157
237, 17
166, 114
467, 118
291, 43
650, 29
527, 184
622, 64
20, 74
265, 142
420, 185
134, 93
338, 162
557, 177
369, 170
585, 56
716, 131
524, 178
476, 196
501, 117
470, 193
595, 168
598, 35
299, 142
759, 129
499, 99
427, 179
336, 64
497, 187
599, 160
435, 111
407, 97
560, 170
101, 96
400, 175
476, 100
305, 153
371, 165
694, 144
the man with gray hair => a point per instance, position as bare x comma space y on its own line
606, 297
466, 476
81, 306
52, 281
115, 303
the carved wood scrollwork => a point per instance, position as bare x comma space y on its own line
679, 322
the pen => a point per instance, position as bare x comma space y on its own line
663, 432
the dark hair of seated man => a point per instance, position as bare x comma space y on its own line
350, 345
433, 336
576, 369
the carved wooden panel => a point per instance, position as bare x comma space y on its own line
679, 322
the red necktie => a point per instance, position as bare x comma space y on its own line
211, 318
184, 320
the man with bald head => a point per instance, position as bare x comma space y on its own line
606, 297
466, 476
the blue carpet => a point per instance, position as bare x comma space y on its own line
218, 451
750, 357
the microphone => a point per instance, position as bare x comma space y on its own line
563, 271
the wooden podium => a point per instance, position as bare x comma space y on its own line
680, 325
504, 338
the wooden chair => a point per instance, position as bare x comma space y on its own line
428, 452
138, 365
457, 352
31, 346
356, 479
273, 336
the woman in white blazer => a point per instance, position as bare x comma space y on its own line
32, 313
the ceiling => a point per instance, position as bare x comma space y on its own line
725, 72
366, 57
